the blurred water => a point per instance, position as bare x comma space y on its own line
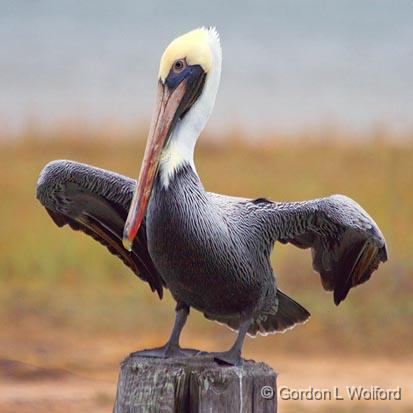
287, 64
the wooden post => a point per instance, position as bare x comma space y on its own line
194, 385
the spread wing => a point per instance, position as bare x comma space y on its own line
347, 246
96, 202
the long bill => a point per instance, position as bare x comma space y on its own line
164, 116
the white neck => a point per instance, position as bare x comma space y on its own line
182, 141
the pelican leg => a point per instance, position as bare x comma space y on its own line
233, 355
171, 348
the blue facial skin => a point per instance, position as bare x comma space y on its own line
174, 79
195, 78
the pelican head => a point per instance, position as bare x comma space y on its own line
189, 74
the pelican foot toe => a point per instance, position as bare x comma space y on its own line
228, 357
166, 351
231, 358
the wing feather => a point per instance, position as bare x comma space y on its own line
347, 245
96, 202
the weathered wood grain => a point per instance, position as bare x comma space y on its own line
193, 385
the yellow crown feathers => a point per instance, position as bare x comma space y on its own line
193, 46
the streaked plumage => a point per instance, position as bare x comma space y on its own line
211, 251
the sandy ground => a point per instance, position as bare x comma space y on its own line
28, 388
41, 371
333, 372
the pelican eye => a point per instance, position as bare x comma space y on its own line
179, 65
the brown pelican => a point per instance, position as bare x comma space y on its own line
212, 252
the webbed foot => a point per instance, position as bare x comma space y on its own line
232, 358
166, 351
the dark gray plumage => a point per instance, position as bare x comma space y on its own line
96, 202
213, 251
